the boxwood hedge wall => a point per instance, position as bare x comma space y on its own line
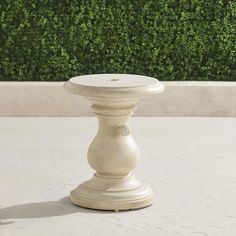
53, 40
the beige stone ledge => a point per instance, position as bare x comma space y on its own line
180, 98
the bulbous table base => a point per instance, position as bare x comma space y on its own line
113, 153
121, 193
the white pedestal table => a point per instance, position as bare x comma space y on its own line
113, 153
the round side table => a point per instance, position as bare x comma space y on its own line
113, 153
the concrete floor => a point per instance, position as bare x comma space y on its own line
190, 162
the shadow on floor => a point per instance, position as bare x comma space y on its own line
41, 209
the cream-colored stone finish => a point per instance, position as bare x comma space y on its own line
113, 153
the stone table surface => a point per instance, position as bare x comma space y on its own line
190, 162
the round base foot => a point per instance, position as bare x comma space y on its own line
107, 193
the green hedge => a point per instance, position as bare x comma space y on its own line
168, 39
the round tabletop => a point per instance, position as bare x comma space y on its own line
113, 85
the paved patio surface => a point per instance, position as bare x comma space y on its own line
190, 162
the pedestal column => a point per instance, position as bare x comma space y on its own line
113, 154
